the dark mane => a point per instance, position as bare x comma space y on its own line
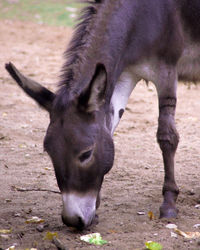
73, 54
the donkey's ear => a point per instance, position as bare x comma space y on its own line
94, 96
40, 94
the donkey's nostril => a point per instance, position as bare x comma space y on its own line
76, 222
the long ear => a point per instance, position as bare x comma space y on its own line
94, 96
40, 94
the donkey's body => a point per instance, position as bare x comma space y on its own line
118, 43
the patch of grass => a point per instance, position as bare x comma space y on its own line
52, 12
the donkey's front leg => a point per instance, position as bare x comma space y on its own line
168, 138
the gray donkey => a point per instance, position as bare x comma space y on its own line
116, 44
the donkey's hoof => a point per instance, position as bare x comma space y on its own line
168, 212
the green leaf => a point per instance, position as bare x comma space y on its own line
94, 238
152, 245
50, 235
98, 242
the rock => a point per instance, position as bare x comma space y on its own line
191, 192
171, 226
140, 213
40, 228
17, 215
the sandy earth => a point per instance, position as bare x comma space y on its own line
133, 185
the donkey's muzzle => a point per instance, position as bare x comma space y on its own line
78, 210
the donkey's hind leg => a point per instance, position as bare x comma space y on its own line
167, 137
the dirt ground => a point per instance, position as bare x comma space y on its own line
133, 185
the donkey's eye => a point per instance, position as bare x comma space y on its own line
85, 156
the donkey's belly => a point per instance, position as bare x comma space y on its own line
189, 63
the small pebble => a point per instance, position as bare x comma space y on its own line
40, 228
17, 215
171, 226
174, 235
141, 213
8, 200
197, 226
191, 192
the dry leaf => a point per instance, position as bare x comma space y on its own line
47, 168
111, 231
11, 248
31, 249
188, 235
35, 220
4, 236
50, 235
151, 215
5, 231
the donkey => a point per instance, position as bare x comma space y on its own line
116, 44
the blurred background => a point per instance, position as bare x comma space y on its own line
51, 12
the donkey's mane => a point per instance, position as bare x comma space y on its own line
74, 53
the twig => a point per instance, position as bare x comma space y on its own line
34, 190
58, 244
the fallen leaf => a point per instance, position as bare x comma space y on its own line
4, 236
11, 248
47, 168
188, 235
151, 215
31, 249
94, 238
194, 119
111, 231
34, 219
152, 245
8, 200
50, 235
5, 231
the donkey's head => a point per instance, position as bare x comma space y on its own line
78, 143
